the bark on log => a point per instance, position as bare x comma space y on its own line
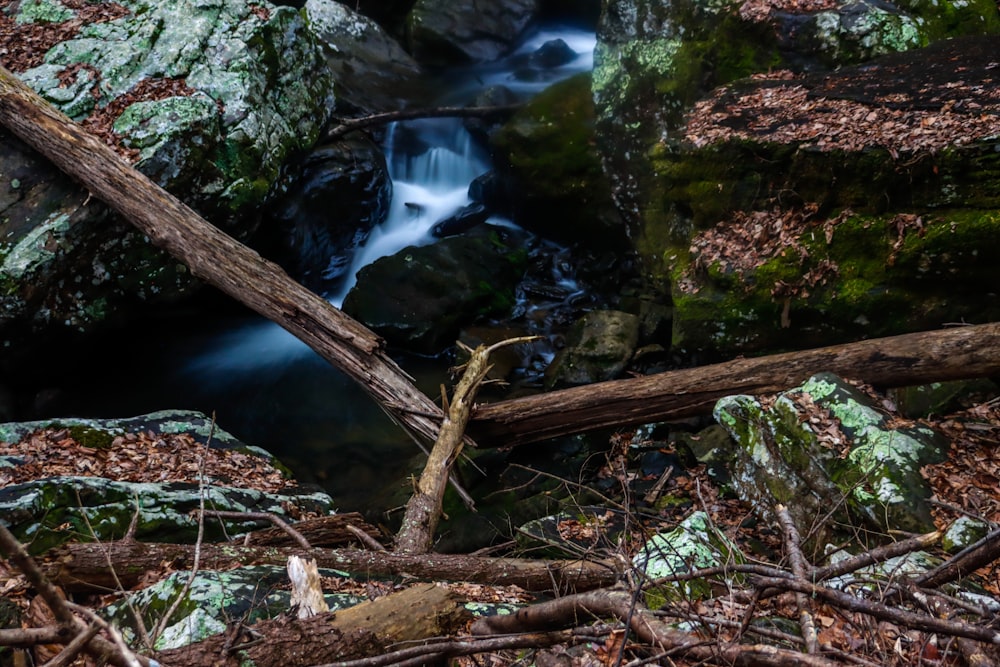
84, 567
413, 614
935, 356
217, 258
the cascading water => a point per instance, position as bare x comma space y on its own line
268, 388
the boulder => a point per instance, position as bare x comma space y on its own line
449, 32
838, 218
550, 173
208, 99
832, 458
315, 241
598, 347
372, 70
421, 297
79, 503
655, 60
693, 545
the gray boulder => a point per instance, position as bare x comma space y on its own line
208, 99
832, 458
46, 512
443, 32
373, 71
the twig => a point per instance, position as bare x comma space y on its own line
790, 535
365, 538
261, 516
161, 625
654, 493
882, 612
353, 124
69, 624
964, 563
73, 649
438, 650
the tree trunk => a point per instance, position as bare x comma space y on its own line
934, 356
84, 567
410, 615
217, 258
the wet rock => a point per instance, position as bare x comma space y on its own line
538, 65
215, 98
551, 174
443, 32
372, 70
462, 221
598, 348
482, 129
857, 469
317, 240
420, 298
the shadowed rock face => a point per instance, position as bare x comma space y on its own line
208, 99
442, 32
419, 298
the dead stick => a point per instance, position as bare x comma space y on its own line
423, 511
799, 569
964, 563
353, 124
899, 616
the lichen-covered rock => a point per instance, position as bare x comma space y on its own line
694, 544
655, 59
570, 534
825, 452
442, 32
963, 532
46, 512
552, 181
421, 297
372, 70
209, 99
210, 604
598, 347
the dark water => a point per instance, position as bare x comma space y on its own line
262, 384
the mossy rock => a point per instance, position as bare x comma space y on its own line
211, 602
551, 171
862, 465
421, 297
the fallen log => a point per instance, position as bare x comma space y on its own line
88, 566
217, 258
909, 359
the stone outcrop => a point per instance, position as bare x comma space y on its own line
208, 99
655, 64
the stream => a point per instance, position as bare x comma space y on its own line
261, 383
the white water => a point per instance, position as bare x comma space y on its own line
427, 187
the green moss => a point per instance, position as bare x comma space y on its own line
91, 437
